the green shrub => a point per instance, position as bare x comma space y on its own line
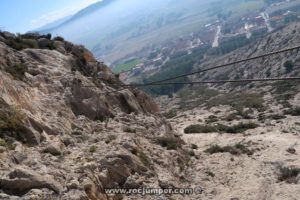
20, 43
288, 174
192, 153
239, 128
11, 125
144, 158
243, 149
239, 101
237, 149
59, 38
277, 116
17, 71
194, 146
51, 46
244, 114
209, 173
110, 138
6, 144
2, 143
93, 149
197, 128
231, 117
168, 142
171, 114
129, 130
11, 120
211, 119
29, 43
293, 111
214, 149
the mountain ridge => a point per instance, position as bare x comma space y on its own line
85, 11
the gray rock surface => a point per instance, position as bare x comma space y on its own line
63, 126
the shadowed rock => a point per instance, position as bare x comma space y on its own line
20, 181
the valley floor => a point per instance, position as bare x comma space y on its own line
275, 144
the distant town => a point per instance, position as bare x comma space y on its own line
223, 35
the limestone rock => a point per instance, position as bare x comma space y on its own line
53, 148
8, 35
74, 184
61, 99
75, 195
2, 149
22, 180
19, 157
129, 102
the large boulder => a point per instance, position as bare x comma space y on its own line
87, 102
75, 195
129, 102
21, 180
8, 35
119, 168
147, 104
54, 148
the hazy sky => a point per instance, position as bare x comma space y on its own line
24, 15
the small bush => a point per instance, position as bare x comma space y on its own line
59, 38
277, 116
291, 150
214, 149
239, 128
168, 142
11, 120
51, 46
239, 101
209, 173
93, 149
129, 130
144, 158
17, 71
8, 145
110, 138
244, 114
22, 43
48, 36
192, 153
231, 117
288, 174
194, 146
171, 114
29, 43
2, 143
237, 149
197, 128
293, 111
211, 119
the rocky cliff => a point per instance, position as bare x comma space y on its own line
68, 129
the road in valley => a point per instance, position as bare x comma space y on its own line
267, 21
216, 40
